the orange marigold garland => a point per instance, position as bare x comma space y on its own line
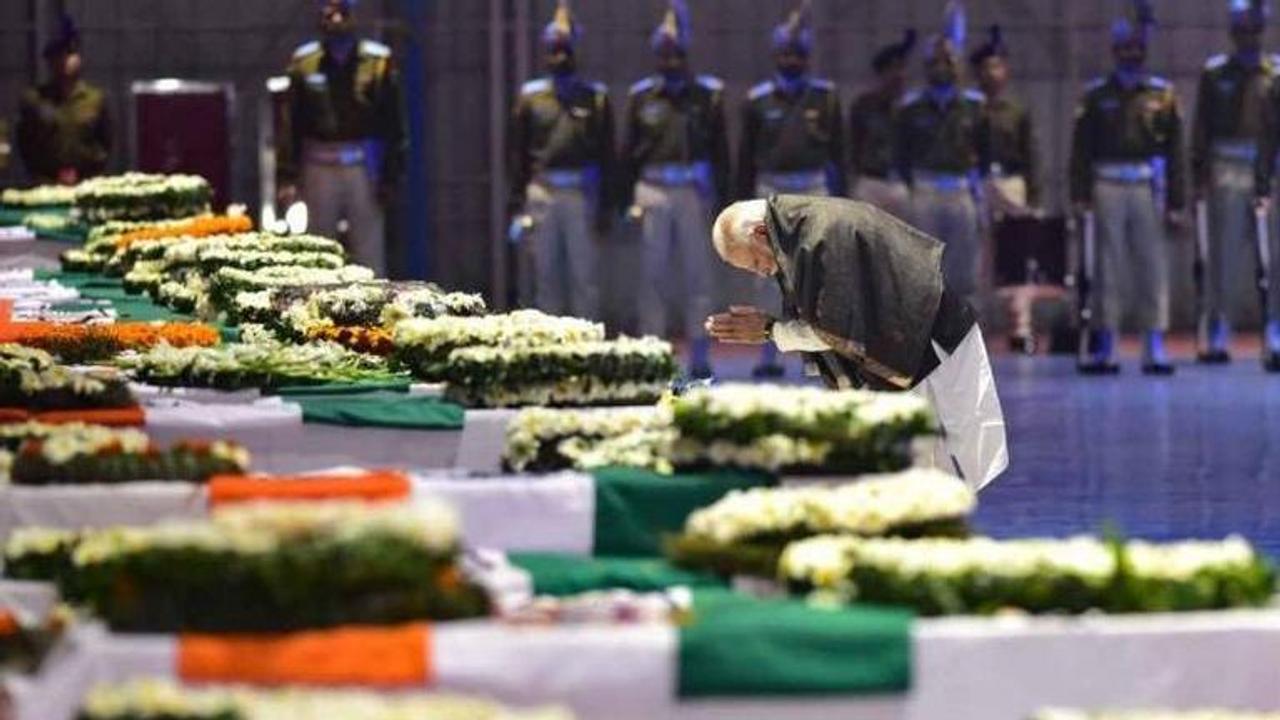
371, 341
201, 226
77, 344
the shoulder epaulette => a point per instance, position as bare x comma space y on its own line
644, 85
975, 95
910, 98
374, 49
1159, 83
711, 82
535, 86
1096, 83
761, 90
1216, 61
306, 49
598, 87
822, 84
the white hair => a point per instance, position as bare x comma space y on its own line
734, 225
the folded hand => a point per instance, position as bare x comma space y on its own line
743, 325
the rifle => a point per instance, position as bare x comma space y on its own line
1084, 285
1199, 270
1263, 233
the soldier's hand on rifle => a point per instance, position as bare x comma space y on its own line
1262, 204
286, 196
1175, 219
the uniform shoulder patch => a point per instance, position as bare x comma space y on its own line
535, 86
1096, 84
1216, 61
644, 85
910, 98
975, 95
598, 88
823, 84
374, 49
711, 82
761, 90
306, 49
1159, 83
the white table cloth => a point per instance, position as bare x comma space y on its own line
25, 251
965, 668
548, 513
273, 430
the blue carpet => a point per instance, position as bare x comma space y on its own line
1196, 455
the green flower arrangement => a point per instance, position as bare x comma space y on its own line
799, 430
266, 365
620, 372
277, 568
82, 454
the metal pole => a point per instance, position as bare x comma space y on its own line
497, 156
522, 51
416, 227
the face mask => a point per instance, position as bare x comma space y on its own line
673, 75
790, 72
564, 68
339, 43
1128, 71
1251, 58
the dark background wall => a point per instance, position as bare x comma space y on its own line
476, 52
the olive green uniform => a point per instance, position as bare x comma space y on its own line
1126, 162
1230, 118
874, 176
792, 142
1014, 170
940, 150
345, 141
676, 162
561, 159
57, 132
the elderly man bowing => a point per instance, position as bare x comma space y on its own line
865, 299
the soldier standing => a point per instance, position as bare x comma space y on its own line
561, 165
1126, 167
345, 141
792, 140
875, 175
64, 132
941, 151
676, 166
1229, 120
1013, 173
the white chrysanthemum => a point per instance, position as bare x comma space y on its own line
520, 328
37, 540
1184, 560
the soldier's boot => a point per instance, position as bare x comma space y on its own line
1155, 361
1101, 354
769, 367
1271, 351
1219, 350
700, 359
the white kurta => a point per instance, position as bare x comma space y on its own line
962, 390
